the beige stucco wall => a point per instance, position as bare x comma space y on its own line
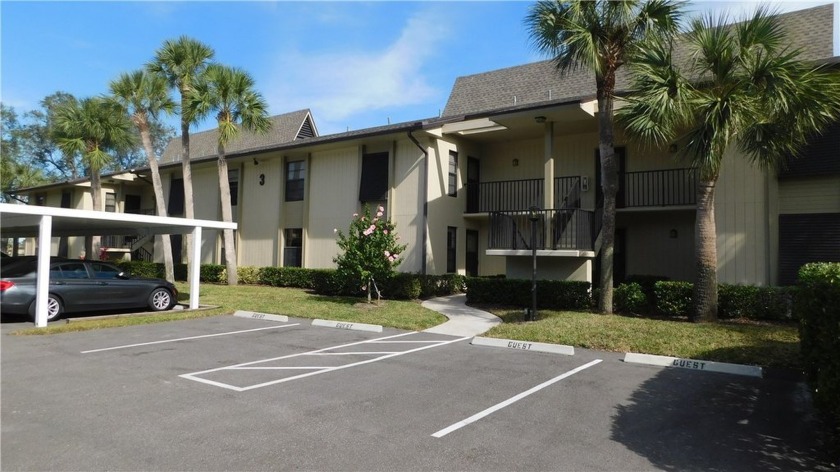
550, 268
742, 218
260, 210
333, 199
649, 247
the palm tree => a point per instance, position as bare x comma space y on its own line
92, 128
600, 36
741, 86
229, 92
143, 96
181, 62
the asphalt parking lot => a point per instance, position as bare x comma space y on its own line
228, 393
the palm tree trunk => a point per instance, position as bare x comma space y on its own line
227, 216
96, 197
160, 204
705, 294
609, 184
186, 170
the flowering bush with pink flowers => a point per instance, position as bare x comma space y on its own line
371, 251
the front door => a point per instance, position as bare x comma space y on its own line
472, 253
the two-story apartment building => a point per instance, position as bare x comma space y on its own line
459, 188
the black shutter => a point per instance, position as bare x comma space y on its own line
176, 198
374, 185
821, 157
807, 238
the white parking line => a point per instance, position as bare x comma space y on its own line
511, 400
317, 369
188, 338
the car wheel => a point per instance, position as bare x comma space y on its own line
160, 299
54, 308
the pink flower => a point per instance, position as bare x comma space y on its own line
380, 209
355, 215
379, 214
387, 253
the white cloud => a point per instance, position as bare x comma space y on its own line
340, 84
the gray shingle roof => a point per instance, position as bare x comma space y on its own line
809, 29
284, 129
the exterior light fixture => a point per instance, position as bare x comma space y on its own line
516, 163
540, 119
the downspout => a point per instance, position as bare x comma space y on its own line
425, 195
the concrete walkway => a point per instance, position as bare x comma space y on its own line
463, 320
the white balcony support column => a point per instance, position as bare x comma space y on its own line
43, 272
195, 265
548, 184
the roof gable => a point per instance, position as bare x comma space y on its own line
285, 128
530, 84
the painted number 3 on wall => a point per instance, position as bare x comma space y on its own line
262, 179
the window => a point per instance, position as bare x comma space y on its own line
73, 270
374, 184
293, 249
233, 182
451, 248
176, 198
295, 176
110, 202
104, 271
452, 189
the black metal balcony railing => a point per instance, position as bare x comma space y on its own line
660, 188
567, 192
507, 195
565, 229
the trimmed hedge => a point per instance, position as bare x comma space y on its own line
817, 305
553, 294
630, 298
673, 299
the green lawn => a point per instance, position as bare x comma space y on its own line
753, 343
284, 301
763, 344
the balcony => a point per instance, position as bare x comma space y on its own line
512, 195
659, 188
570, 229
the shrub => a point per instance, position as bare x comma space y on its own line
328, 282
370, 250
248, 275
629, 298
647, 282
441, 285
552, 294
401, 287
736, 301
212, 273
817, 305
672, 298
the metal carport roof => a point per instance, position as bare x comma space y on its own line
21, 221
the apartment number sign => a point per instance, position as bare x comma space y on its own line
262, 179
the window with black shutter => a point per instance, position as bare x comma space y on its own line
293, 249
176, 198
451, 248
374, 184
295, 175
452, 189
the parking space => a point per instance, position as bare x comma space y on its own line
229, 393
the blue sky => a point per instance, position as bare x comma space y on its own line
354, 64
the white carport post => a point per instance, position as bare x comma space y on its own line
195, 265
43, 277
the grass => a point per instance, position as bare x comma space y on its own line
763, 344
284, 301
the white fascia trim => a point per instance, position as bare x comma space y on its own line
541, 252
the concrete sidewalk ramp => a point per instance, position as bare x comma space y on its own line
463, 320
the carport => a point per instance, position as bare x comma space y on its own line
44, 223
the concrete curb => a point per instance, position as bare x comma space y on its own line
260, 316
347, 325
691, 364
524, 345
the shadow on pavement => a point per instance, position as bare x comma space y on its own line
686, 420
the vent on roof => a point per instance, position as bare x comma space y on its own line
306, 130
